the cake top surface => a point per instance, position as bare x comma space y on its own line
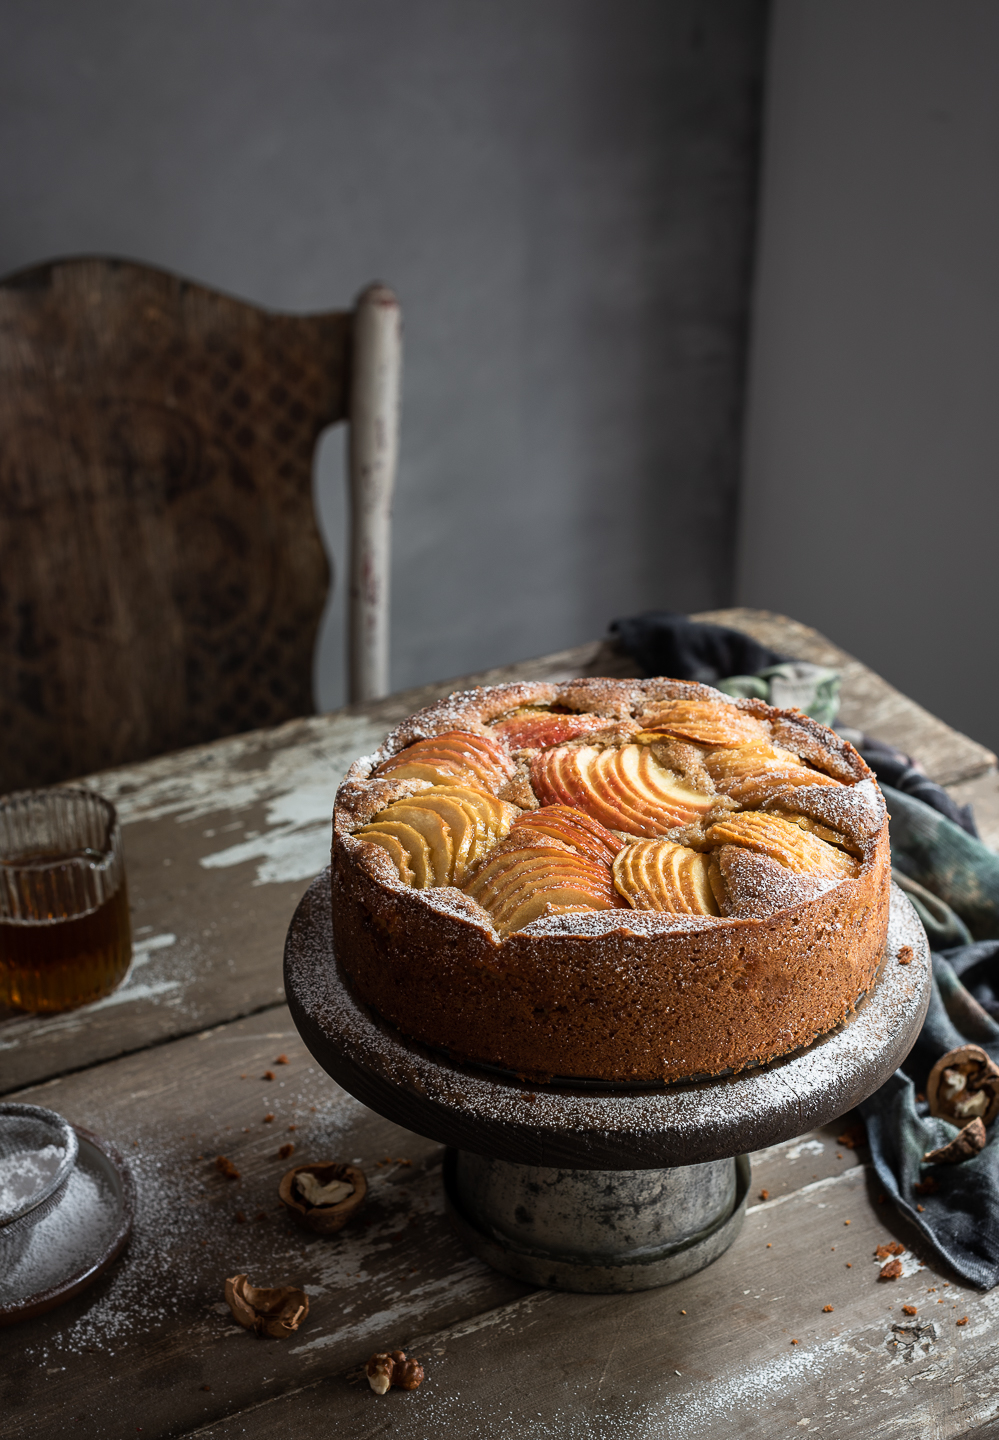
593, 805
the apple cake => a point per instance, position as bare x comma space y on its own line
620, 880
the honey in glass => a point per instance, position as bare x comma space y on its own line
65, 937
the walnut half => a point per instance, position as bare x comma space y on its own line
963, 1086
275, 1312
388, 1368
965, 1144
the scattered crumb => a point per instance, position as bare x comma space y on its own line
292, 1127
909, 1310
846, 1222
683, 1312
268, 1119
905, 955
770, 1244
848, 1265
891, 1271
920, 1097
764, 1194
832, 1247
285, 1151
827, 1309
928, 1186
261, 1215
963, 1320
242, 1077
839, 1155
920, 1208
794, 1342
208, 1388
890, 1247
225, 1167
267, 1075
281, 1060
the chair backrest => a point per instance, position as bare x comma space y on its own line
162, 578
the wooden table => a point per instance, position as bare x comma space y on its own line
221, 842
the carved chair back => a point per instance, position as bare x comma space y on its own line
162, 578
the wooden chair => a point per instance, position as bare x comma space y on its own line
162, 578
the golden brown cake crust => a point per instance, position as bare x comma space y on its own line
614, 994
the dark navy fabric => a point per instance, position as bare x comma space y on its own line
662, 643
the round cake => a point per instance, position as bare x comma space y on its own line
617, 880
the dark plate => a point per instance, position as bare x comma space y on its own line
78, 1240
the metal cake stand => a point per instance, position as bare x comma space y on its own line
598, 1189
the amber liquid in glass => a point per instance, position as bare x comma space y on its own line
52, 962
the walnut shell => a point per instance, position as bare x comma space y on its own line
980, 1076
276, 1312
970, 1140
323, 1219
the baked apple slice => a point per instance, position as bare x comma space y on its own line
577, 778
624, 788
456, 757
387, 840
435, 831
752, 774
490, 819
573, 827
784, 842
541, 730
520, 885
419, 861
706, 722
658, 875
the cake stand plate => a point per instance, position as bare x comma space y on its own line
515, 1176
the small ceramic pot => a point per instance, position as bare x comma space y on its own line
323, 1219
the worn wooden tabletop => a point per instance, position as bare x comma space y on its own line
221, 842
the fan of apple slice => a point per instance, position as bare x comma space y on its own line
439, 835
541, 729
455, 758
519, 885
572, 827
751, 774
658, 875
706, 722
783, 841
624, 788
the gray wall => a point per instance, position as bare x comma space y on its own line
871, 499
561, 194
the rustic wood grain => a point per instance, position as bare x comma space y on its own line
163, 575
137, 1350
632, 1367
868, 703
138, 1347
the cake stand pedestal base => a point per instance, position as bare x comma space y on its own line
598, 1231
606, 1188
